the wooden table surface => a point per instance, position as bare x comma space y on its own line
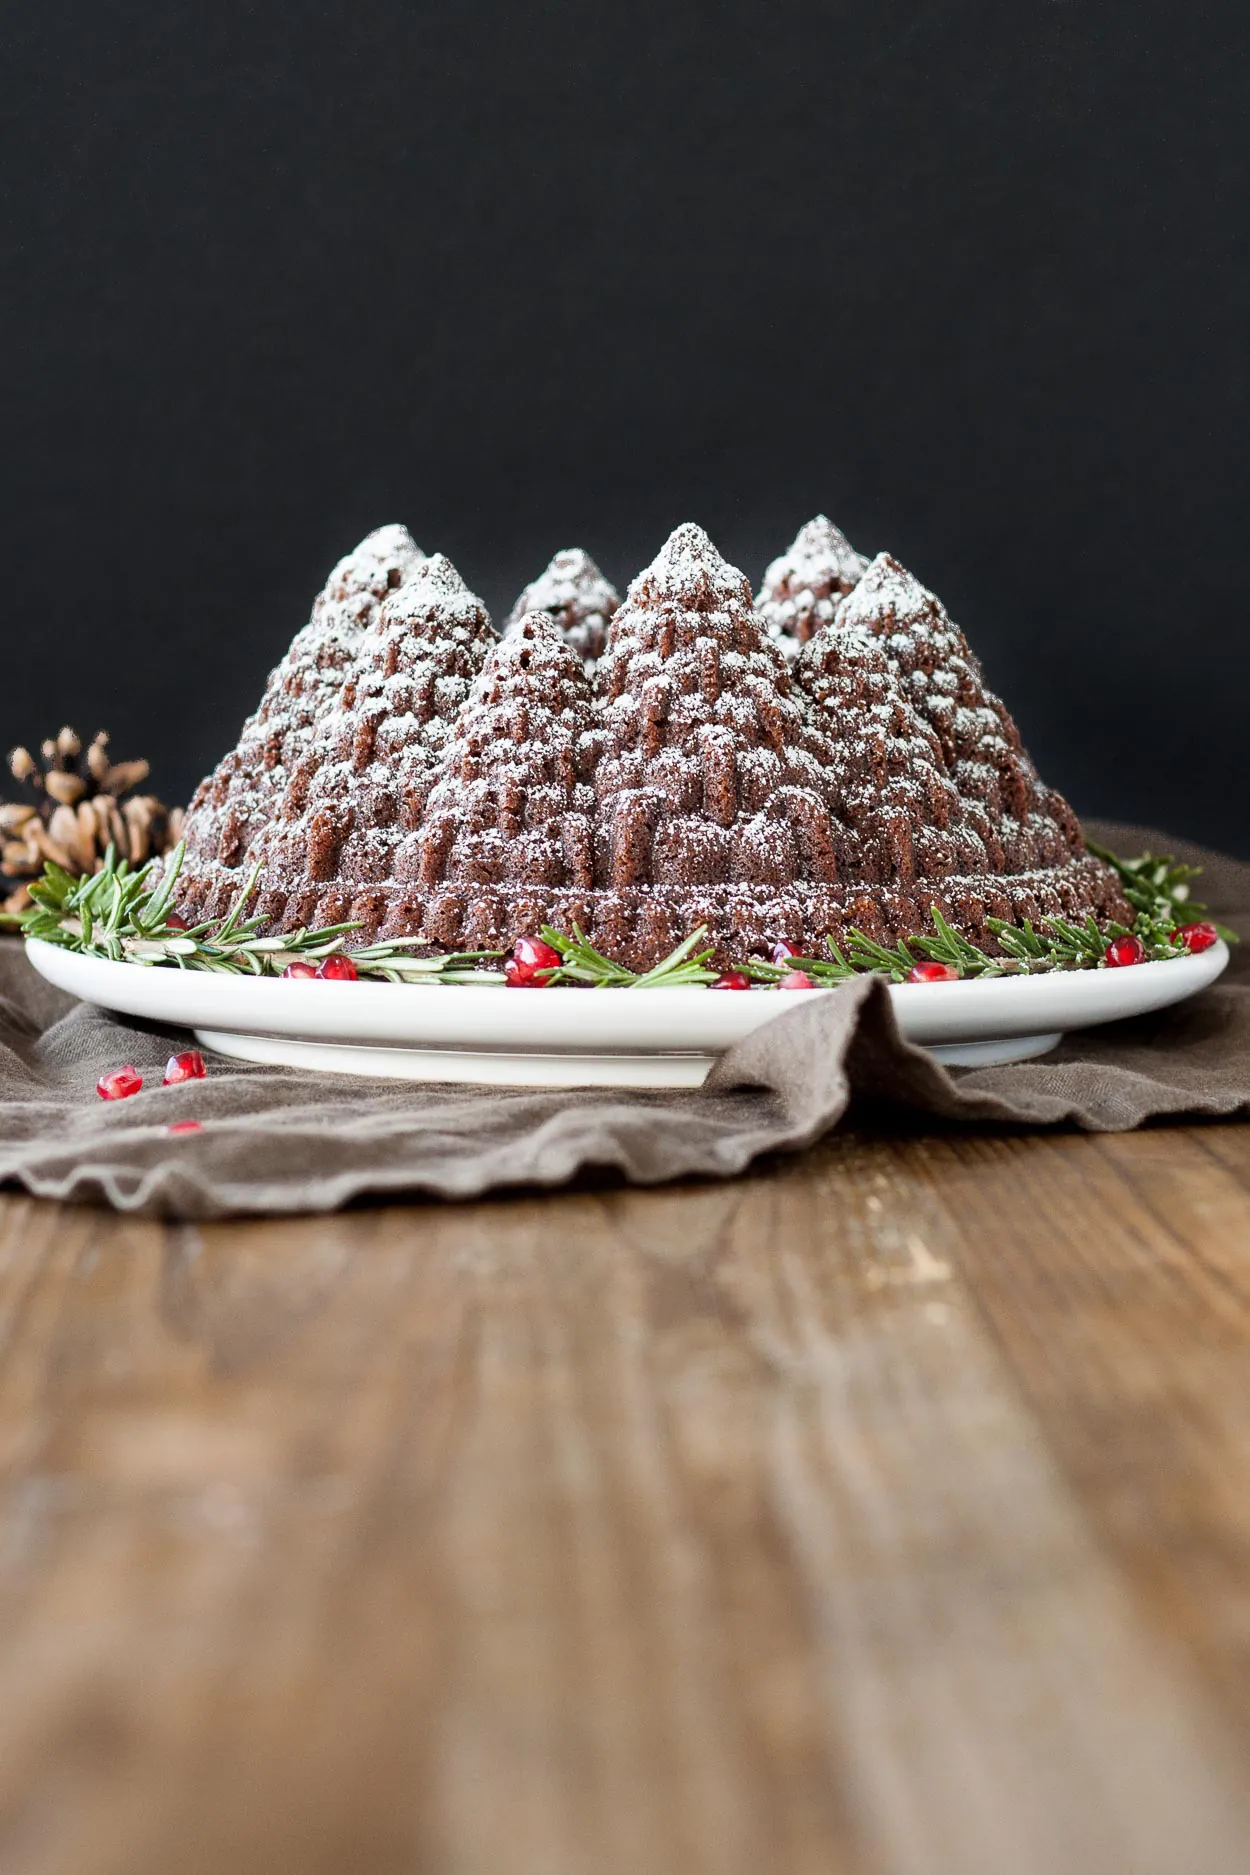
885, 1512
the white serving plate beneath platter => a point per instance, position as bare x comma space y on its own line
589, 1038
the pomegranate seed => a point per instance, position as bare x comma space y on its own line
781, 951
732, 980
796, 980
337, 969
185, 1126
1124, 950
188, 1066
531, 964
1196, 937
300, 970
930, 972
120, 1084
176, 921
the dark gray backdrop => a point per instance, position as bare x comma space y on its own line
972, 277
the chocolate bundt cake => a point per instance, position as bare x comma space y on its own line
576, 597
466, 790
803, 588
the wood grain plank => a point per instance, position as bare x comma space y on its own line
718, 1528
1115, 1273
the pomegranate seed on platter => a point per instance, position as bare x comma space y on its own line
337, 968
1123, 951
732, 980
929, 972
796, 980
530, 964
185, 1126
120, 1084
298, 969
1196, 937
781, 952
188, 1066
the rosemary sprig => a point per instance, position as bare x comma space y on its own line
1157, 887
123, 915
1058, 945
582, 963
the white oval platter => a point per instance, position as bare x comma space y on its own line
588, 1038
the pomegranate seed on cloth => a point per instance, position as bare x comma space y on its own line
185, 1126
1123, 951
120, 1084
188, 1066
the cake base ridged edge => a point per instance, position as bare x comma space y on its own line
638, 926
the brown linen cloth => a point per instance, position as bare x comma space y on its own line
275, 1140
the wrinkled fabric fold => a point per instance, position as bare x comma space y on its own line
276, 1141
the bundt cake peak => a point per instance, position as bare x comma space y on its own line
981, 747
802, 588
887, 594
708, 773
382, 560
689, 571
435, 598
574, 594
509, 807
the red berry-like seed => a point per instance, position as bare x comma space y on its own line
1196, 937
185, 1126
337, 968
120, 1084
796, 980
1123, 951
781, 951
188, 1066
930, 972
300, 970
732, 980
176, 921
531, 963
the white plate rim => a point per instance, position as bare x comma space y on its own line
594, 1020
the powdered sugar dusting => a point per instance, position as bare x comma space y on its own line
887, 593
509, 803
801, 588
689, 570
383, 559
940, 679
361, 780
578, 599
709, 772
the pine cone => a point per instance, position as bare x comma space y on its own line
75, 811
